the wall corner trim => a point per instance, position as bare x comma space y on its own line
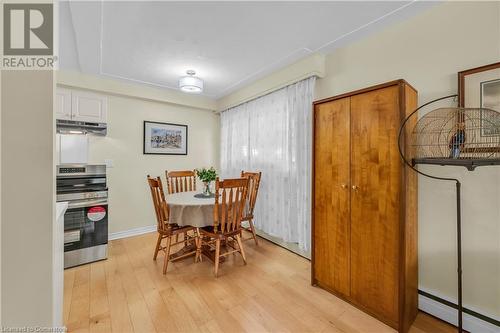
78, 80
314, 65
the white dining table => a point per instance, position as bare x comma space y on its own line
186, 209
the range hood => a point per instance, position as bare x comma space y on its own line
80, 127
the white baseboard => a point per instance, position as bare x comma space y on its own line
132, 232
449, 314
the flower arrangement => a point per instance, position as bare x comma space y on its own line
206, 175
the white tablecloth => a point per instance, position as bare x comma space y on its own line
185, 209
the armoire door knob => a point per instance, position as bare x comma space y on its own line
343, 185
354, 187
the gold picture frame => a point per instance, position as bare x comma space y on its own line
480, 88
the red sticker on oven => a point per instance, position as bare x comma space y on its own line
96, 213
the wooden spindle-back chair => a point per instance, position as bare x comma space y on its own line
165, 229
230, 199
181, 181
253, 190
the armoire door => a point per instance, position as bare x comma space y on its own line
375, 201
331, 196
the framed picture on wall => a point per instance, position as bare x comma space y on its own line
480, 87
165, 138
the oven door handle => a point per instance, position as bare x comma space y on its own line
87, 203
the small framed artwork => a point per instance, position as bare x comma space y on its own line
165, 138
480, 88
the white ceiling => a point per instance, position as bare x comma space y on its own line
228, 44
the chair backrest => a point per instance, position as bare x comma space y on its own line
230, 197
181, 181
159, 203
253, 189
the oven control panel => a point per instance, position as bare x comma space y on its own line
94, 195
82, 196
71, 170
80, 170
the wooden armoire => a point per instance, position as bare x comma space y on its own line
364, 231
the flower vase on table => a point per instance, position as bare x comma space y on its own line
206, 189
207, 176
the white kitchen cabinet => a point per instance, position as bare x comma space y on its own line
63, 103
81, 106
87, 106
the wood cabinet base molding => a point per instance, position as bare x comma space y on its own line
364, 231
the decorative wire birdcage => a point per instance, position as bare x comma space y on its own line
457, 136
468, 137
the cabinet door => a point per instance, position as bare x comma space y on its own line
63, 103
375, 205
331, 196
87, 106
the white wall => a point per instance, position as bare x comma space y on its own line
130, 199
28, 196
428, 50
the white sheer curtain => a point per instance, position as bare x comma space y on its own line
272, 134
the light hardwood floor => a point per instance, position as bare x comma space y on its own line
128, 293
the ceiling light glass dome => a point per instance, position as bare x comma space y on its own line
191, 83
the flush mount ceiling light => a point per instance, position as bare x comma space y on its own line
191, 83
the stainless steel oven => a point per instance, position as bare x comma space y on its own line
86, 219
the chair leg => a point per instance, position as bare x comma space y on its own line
217, 256
157, 248
197, 250
197, 257
252, 228
167, 255
240, 244
198, 246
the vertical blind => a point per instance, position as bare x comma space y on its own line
272, 134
